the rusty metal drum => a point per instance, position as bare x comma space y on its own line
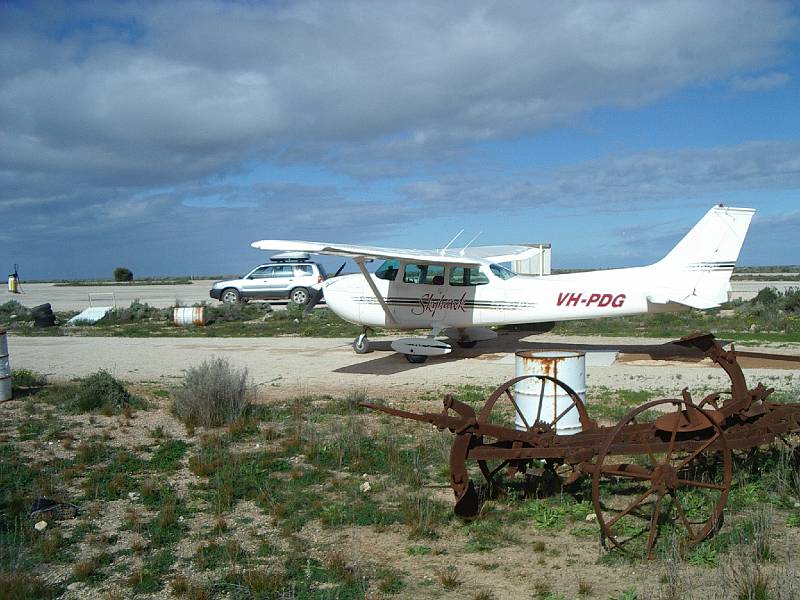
189, 315
5, 368
545, 400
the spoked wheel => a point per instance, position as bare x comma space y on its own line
675, 486
503, 409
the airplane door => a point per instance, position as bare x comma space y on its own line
423, 298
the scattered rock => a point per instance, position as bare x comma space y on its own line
365, 487
40, 526
591, 517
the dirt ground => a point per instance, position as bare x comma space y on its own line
293, 364
522, 560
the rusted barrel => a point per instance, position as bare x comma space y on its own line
5, 368
545, 398
189, 315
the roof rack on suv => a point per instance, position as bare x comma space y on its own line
289, 256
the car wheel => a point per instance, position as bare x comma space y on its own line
299, 296
230, 296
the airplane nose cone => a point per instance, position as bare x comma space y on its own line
340, 296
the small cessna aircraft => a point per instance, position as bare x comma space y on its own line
460, 292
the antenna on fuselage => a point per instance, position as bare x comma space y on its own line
443, 250
469, 243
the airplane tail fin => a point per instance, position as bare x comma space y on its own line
697, 271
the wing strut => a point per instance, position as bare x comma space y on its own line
359, 260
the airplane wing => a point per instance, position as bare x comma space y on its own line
500, 253
467, 256
448, 257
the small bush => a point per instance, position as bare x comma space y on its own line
25, 378
123, 274
12, 311
136, 313
102, 391
225, 313
212, 394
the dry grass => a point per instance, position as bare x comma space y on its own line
213, 394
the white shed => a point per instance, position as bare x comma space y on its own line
538, 264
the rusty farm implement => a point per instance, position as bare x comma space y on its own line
667, 464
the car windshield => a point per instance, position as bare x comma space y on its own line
502, 272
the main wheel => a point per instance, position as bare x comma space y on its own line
299, 295
466, 343
509, 414
230, 296
416, 359
662, 482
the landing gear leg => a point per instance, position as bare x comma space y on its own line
361, 343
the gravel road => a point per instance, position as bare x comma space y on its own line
317, 365
162, 296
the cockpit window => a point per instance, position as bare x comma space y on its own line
427, 274
502, 272
388, 270
462, 276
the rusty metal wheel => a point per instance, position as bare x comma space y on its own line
508, 414
675, 485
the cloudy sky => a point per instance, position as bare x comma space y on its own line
166, 137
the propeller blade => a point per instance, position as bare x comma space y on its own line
318, 295
313, 301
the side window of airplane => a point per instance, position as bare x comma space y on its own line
502, 272
412, 273
426, 274
434, 275
461, 276
388, 270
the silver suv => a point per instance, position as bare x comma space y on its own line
289, 275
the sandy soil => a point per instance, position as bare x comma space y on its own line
329, 365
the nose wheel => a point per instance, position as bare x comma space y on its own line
361, 344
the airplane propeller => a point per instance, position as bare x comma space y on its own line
314, 300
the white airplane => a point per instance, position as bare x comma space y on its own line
461, 292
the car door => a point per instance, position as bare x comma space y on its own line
256, 284
281, 282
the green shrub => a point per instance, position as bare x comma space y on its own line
25, 378
212, 394
12, 311
123, 274
135, 313
222, 313
102, 391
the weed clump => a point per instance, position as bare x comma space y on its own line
27, 379
137, 312
12, 312
212, 394
101, 391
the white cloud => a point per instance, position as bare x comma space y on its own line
102, 103
616, 183
760, 83
172, 92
